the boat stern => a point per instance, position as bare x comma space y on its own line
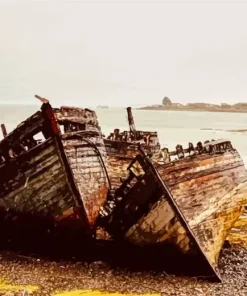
144, 212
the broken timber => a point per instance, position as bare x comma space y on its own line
122, 147
4, 131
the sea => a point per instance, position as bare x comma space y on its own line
173, 127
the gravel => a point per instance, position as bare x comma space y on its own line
52, 276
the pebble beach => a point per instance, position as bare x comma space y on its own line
21, 275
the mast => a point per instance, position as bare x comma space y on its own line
131, 122
4, 131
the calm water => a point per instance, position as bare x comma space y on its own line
173, 127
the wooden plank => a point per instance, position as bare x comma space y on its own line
4, 131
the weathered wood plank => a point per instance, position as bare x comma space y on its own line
84, 153
85, 117
63, 176
4, 131
47, 183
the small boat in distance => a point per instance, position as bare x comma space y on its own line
102, 107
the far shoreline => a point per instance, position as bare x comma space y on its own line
193, 110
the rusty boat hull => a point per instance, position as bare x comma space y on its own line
59, 181
207, 194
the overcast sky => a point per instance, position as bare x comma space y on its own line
123, 52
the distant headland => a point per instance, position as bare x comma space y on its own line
223, 107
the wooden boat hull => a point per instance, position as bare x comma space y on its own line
36, 183
61, 181
86, 156
120, 155
208, 193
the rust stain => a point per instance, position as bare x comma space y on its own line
96, 200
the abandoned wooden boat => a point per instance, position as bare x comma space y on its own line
59, 179
122, 147
191, 203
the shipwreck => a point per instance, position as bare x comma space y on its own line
189, 198
53, 171
59, 175
193, 213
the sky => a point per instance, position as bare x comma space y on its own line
121, 53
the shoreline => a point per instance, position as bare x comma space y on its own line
193, 110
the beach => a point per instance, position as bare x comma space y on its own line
22, 275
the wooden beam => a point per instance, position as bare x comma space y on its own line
4, 131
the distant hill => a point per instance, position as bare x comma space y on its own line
167, 104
